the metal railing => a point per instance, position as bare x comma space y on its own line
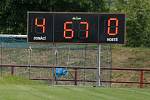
76, 79
140, 81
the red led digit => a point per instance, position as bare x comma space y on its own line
68, 30
86, 28
42, 25
109, 26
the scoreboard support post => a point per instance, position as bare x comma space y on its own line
29, 63
99, 65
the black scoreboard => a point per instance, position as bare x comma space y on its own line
73, 27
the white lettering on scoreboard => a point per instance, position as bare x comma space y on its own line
112, 39
39, 38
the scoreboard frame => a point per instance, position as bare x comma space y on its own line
101, 37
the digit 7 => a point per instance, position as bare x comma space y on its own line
86, 28
68, 32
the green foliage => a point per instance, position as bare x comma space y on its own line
138, 21
13, 13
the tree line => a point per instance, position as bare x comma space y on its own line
13, 15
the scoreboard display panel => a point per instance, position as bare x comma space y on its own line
73, 27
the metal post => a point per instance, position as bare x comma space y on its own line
56, 63
99, 65
68, 56
85, 62
141, 78
29, 63
75, 76
110, 65
12, 71
1, 60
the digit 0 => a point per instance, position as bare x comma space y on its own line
42, 25
86, 28
68, 32
109, 26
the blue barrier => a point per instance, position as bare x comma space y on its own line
59, 72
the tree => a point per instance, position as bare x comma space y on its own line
13, 13
137, 21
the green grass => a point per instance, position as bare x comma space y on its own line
41, 92
15, 80
15, 88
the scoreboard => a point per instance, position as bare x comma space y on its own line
75, 27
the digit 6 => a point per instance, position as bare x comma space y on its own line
68, 31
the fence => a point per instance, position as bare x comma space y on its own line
77, 79
141, 80
58, 55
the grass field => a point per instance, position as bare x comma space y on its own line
14, 88
43, 92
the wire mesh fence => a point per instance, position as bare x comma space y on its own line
69, 55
